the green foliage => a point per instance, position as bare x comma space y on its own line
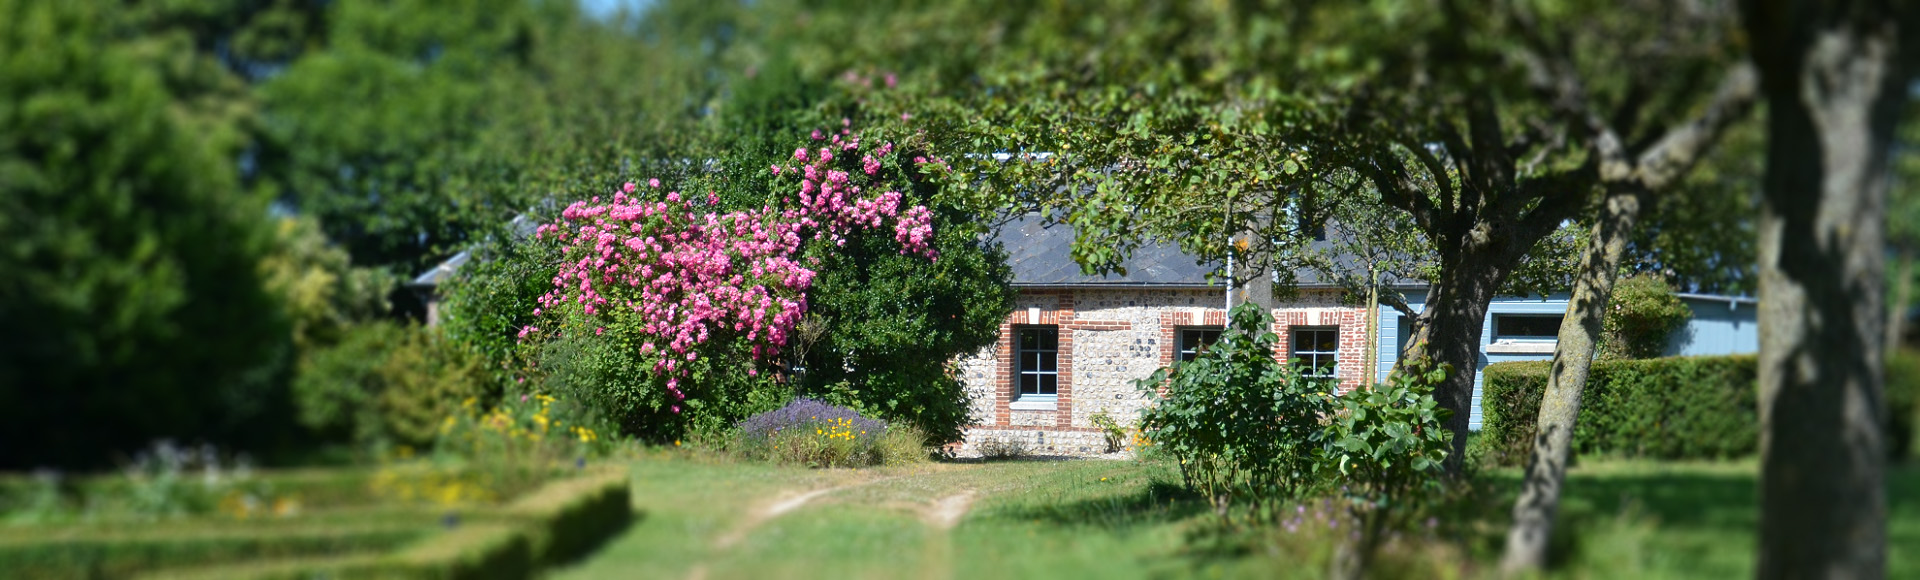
1903, 404
1644, 312
492, 297
1244, 426
1666, 408
891, 325
882, 327
323, 293
1115, 435
388, 383
1386, 444
132, 294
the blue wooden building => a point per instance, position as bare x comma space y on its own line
1523, 329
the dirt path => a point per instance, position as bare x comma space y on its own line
760, 516
940, 514
948, 511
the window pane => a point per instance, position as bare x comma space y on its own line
1049, 362
1029, 384
1049, 338
1526, 326
1029, 338
1049, 384
1329, 341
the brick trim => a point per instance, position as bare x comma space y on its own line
1061, 315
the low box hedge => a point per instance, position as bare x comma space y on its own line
555, 523
119, 551
570, 517
1667, 408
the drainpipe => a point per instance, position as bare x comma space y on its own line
1226, 217
1372, 356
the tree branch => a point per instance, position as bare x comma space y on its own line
1684, 145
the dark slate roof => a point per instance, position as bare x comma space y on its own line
1040, 256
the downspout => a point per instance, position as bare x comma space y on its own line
1372, 355
1226, 218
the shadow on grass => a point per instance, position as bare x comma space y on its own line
1160, 503
1716, 507
581, 541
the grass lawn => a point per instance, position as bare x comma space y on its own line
713, 518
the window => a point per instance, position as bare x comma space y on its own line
1193, 341
1039, 361
1316, 351
1526, 326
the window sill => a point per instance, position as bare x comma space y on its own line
1522, 347
1044, 405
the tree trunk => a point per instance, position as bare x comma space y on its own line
1572, 357
1448, 331
1829, 74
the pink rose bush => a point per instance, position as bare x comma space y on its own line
679, 279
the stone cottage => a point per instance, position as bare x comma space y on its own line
1075, 344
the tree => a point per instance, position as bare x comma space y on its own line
1481, 131
1633, 176
133, 296
1834, 76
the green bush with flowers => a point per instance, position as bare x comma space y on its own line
817, 434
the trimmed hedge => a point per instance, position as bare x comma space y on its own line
98, 553
551, 525
1667, 408
569, 518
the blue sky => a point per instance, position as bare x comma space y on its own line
605, 8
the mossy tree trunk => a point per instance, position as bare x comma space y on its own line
1631, 180
1831, 75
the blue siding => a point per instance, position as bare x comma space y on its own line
1719, 326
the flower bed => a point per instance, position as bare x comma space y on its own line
814, 433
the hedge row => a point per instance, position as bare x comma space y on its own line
1666, 408
108, 553
553, 524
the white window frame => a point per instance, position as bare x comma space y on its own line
1021, 369
1183, 350
1313, 358
1504, 337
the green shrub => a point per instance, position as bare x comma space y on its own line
1385, 445
1242, 424
387, 383
1666, 408
1643, 313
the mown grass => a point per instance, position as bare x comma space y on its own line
1111, 519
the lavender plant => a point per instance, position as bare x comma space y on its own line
818, 434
